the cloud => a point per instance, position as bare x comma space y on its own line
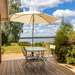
58, 22
43, 3
65, 13
73, 21
40, 30
68, 0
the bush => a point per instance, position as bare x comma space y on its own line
70, 57
2, 50
38, 44
62, 46
70, 60
61, 54
24, 44
4, 38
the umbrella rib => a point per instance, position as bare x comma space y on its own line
20, 16
44, 18
30, 19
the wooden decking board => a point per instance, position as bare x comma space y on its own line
20, 67
17, 71
60, 69
1, 68
4, 71
8, 68
12, 68
50, 70
55, 70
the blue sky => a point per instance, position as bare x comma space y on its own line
58, 8
65, 5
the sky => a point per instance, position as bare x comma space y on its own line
57, 8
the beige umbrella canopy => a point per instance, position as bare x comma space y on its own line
32, 17
28, 17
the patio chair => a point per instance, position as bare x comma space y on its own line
30, 57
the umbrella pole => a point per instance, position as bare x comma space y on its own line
33, 34
33, 31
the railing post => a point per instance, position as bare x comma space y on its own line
3, 17
0, 38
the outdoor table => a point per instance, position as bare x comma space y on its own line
35, 49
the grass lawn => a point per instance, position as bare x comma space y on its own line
11, 49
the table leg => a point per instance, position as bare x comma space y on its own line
26, 54
42, 53
32, 53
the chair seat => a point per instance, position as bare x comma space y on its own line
31, 57
35, 58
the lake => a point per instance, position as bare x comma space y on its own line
38, 39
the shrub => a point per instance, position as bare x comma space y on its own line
61, 54
2, 50
70, 57
24, 44
61, 41
38, 44
70, 60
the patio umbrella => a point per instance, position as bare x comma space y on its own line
32, 17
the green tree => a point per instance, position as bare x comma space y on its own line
14, 32
11, 30
62, 40
15, 27
71, 37
5, 31
4, 38
14, 8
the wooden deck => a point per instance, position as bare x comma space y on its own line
19, 67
